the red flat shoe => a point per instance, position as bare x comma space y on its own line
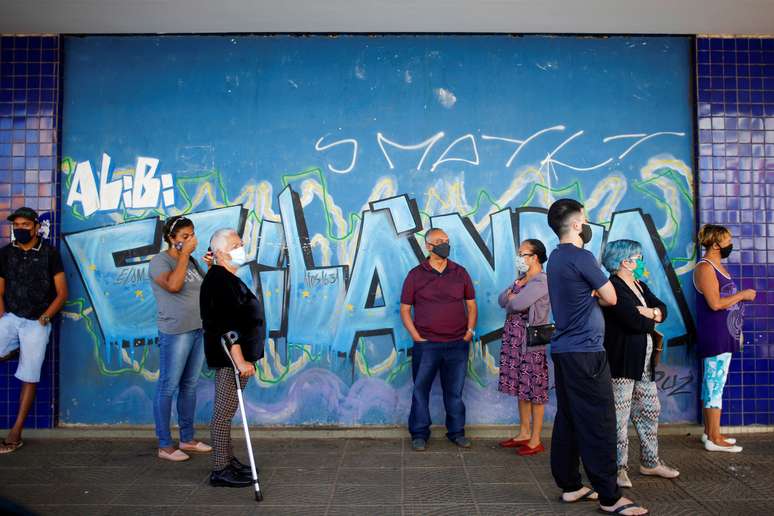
526, 450
513, 443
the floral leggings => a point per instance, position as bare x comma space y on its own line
714, 380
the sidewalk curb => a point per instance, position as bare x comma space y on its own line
318, 432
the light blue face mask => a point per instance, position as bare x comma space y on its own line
238, 256
521, 265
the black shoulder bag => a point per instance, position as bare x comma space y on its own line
540, 335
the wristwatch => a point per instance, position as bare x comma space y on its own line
472, 331
46, 319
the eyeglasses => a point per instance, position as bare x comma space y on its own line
526, 254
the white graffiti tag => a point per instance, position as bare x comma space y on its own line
141, 190
472, 157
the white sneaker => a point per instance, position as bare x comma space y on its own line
623, 479
662, 470
729, 440
710, 446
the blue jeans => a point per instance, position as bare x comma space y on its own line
181, 358
451, 358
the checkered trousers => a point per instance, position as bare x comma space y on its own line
224, 408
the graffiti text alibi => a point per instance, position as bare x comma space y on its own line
141, 190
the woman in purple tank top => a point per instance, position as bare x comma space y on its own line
719, 312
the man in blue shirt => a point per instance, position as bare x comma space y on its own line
584, 427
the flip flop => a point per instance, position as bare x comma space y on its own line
584, 498
11, 447
623, 508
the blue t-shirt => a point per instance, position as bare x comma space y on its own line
572, 274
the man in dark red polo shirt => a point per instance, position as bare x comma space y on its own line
443, 298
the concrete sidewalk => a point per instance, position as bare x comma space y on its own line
366, 477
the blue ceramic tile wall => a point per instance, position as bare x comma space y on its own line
735, 83
29, 121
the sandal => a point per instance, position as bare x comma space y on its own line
623, 508
585, 497
10, 447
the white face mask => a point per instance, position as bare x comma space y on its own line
521, 265
238, 256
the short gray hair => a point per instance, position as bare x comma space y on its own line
432, 231
219, 239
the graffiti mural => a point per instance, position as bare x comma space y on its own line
332, 157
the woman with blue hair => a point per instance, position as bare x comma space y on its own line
633, 347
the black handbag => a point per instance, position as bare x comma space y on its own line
540, 335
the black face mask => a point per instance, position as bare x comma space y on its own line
725, 252
21, 235
442, 250
585, 233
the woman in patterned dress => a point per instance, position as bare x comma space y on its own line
632, 354
524, 370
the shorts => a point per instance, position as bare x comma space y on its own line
30, 338
714, 380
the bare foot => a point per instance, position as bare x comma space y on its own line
634, 510
583, 492
522, 436
13, 437
168, 449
